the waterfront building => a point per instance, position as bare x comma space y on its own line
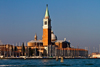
94, 55
51, 45
48, 46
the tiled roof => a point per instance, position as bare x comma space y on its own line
37, 41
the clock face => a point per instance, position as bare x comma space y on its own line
45, 22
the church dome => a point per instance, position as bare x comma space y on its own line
53, 36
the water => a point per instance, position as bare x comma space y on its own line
49, 63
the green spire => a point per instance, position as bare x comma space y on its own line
47, 12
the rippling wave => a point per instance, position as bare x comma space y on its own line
49, 63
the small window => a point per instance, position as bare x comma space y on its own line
45, 22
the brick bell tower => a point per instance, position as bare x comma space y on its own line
46, 28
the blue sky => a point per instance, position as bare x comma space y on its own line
76, 20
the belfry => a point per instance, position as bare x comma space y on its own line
46, 28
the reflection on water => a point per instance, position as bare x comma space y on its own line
50, 63
45, 61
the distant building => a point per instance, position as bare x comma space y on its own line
50, 43
48, 46
94, 55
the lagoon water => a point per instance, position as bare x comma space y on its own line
49, 63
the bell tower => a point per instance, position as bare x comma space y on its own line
46, 28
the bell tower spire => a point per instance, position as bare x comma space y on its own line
46, 28
47, 16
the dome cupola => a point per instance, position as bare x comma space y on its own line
53, 36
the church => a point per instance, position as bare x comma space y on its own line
49, 43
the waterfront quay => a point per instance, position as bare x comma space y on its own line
40, 57
11, 51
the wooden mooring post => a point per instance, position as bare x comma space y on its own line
61, 60
56, 58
